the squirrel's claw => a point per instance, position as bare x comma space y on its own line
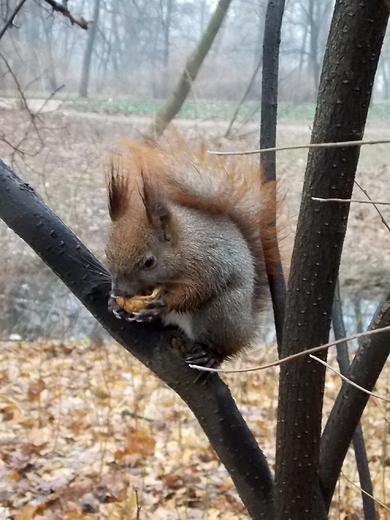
153, 311
156, 304
117, 311
202, 356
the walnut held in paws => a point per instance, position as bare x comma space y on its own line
136, 303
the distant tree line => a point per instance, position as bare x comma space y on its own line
139, 48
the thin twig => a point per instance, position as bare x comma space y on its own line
344, 378
293, 356
362, 490
65, 11
384, 222
247, 90
11, 19
18, 86
16, 147
351, 200
139, 507
51, 96
341, 144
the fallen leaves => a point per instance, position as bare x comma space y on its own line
87, 432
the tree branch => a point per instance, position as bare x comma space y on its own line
269, 113
175, 101
342, 144
350, 403
11, 19
210, 400
81, 22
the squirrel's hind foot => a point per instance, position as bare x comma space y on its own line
202, 356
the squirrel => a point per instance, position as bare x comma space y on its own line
200, 227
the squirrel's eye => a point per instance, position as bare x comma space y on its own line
149, 262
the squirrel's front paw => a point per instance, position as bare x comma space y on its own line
153, 311
117, 311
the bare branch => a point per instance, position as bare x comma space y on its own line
341, 144
358, 438
11, 19
293, 356
365, 492
344, 378
247, 90
364, 370
268, 124
384, 222
351, 200
32, 116
65, 11
19, 88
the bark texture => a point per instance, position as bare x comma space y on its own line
350, 62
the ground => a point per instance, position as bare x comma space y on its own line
87, 432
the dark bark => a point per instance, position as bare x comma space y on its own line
358, 439
269, 113
350, 403
210, 400
350, 63
175, 101
83, 89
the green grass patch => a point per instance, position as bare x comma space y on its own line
204, 109
190, 110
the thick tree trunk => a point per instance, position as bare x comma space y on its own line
347, 77
175, 101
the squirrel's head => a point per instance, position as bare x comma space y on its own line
143, 237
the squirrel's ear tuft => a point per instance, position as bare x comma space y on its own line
158, 212
118, 193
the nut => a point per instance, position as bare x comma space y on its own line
137, 303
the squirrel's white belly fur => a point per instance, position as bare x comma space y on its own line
181, 320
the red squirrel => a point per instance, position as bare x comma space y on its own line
198, 226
